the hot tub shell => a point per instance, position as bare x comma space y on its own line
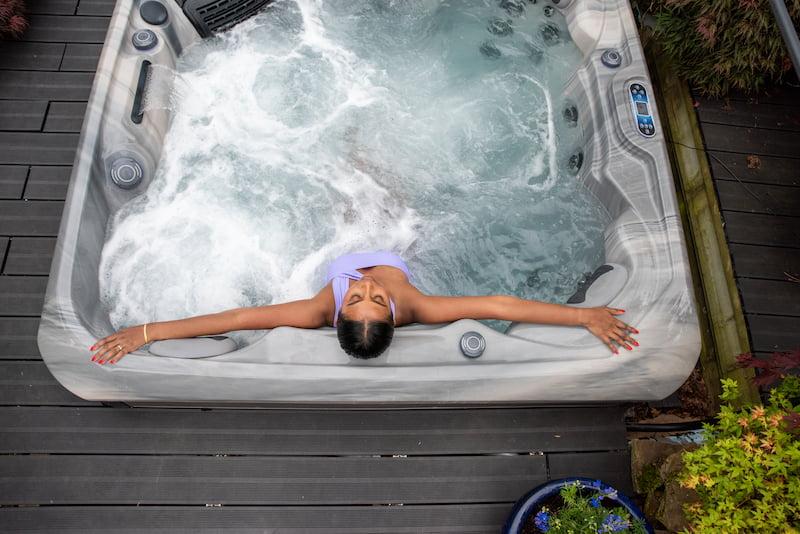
628, 172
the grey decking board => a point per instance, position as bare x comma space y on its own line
66, 28
65, 117
759, 198
30, 56
608, 466
47, 182
12, 181
38, 148
304, 432
40, 85
30, 255
410, 519
763, 169
749, 114
755, 261
3, 251
22, 295
243, 480
758, 229
30, 218
81, 57
782, 95
770, 333
18, 338
770, 297
726, 138
30, 383
52, 7
96, 7
22, 115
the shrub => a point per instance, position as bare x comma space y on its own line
12, 20
747, 473
720, 45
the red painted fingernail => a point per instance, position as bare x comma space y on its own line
627, 347
635, 344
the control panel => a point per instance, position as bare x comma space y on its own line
642, 111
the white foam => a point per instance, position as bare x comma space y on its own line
320, 128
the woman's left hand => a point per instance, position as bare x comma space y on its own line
112, 348
602, 323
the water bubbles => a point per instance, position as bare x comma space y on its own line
316, 129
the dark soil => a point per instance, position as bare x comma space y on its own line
691, 402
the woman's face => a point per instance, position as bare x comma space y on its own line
366, 300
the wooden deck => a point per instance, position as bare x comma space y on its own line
754, 153
68, 465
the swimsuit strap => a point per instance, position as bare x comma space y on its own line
343, 269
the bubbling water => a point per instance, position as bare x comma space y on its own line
321, 128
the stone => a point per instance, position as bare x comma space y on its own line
648, 452
670, 512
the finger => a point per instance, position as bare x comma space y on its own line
107, 354
630, 340
621, 340
118, 356
103, 343
610, 345
629, 328
616, 311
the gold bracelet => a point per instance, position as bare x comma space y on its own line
145, 333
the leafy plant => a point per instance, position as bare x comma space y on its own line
747, 473
12, 20
720, 45
583, 511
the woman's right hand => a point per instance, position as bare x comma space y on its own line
601, 322
112, 348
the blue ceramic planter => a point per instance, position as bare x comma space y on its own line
537, 496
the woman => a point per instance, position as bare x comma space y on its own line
365, 297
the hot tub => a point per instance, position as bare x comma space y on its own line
623, 161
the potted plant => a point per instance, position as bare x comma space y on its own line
575, 505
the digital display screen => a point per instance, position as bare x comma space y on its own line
641, 108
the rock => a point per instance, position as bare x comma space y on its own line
670, 512
648, 452
673, 464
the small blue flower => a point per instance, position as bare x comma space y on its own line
613, 523
609, 492
542, 521
594, 502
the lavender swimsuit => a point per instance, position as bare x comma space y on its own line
343, 269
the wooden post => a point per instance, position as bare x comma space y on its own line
720, 309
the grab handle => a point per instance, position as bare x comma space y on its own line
137, 113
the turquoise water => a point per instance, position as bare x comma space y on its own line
433, 129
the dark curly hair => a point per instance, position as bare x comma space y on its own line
362, 339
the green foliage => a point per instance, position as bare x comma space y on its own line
582, 511
720, 45
747, 473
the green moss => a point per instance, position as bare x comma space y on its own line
649, 480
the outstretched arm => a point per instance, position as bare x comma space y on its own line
308, 313
599, 321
